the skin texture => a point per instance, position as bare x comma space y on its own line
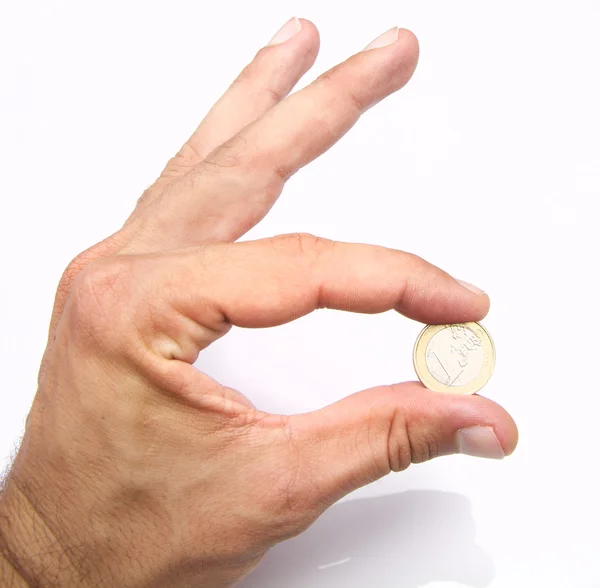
136, 469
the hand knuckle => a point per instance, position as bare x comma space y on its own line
84, 259
98, 299
72, 270
289, 500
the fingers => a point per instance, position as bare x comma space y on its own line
269, 282
365, 436
312, 120
274, 281
235, 186
268, 79
272, 74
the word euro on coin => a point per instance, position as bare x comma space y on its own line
456, 359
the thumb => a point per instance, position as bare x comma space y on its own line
372, 433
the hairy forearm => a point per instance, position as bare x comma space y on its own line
11, 576
35, 554
29, 553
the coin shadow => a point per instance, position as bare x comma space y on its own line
401, 540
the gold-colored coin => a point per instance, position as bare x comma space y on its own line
456, 359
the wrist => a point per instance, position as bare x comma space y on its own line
10, 576
29, 553
34, 552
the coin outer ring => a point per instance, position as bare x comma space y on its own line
489, 360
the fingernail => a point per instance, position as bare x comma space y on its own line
479, 442
388, 38
286, 32
470, 287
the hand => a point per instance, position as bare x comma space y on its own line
136, 469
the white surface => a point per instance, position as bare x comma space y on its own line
487, 164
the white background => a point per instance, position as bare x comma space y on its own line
487, 164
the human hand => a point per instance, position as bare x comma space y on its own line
136, 469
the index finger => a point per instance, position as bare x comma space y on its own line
269, 282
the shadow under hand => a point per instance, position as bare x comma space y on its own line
402, 541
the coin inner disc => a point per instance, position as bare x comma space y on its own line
455, 356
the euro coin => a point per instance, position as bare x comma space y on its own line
455, 359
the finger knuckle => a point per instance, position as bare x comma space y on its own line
248, 74
302, 244
398, 444
410, 442
329, 77
423, 444
232, 154
189, 156
274, 94
254, 74
411, 438
339, 88
413, 259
